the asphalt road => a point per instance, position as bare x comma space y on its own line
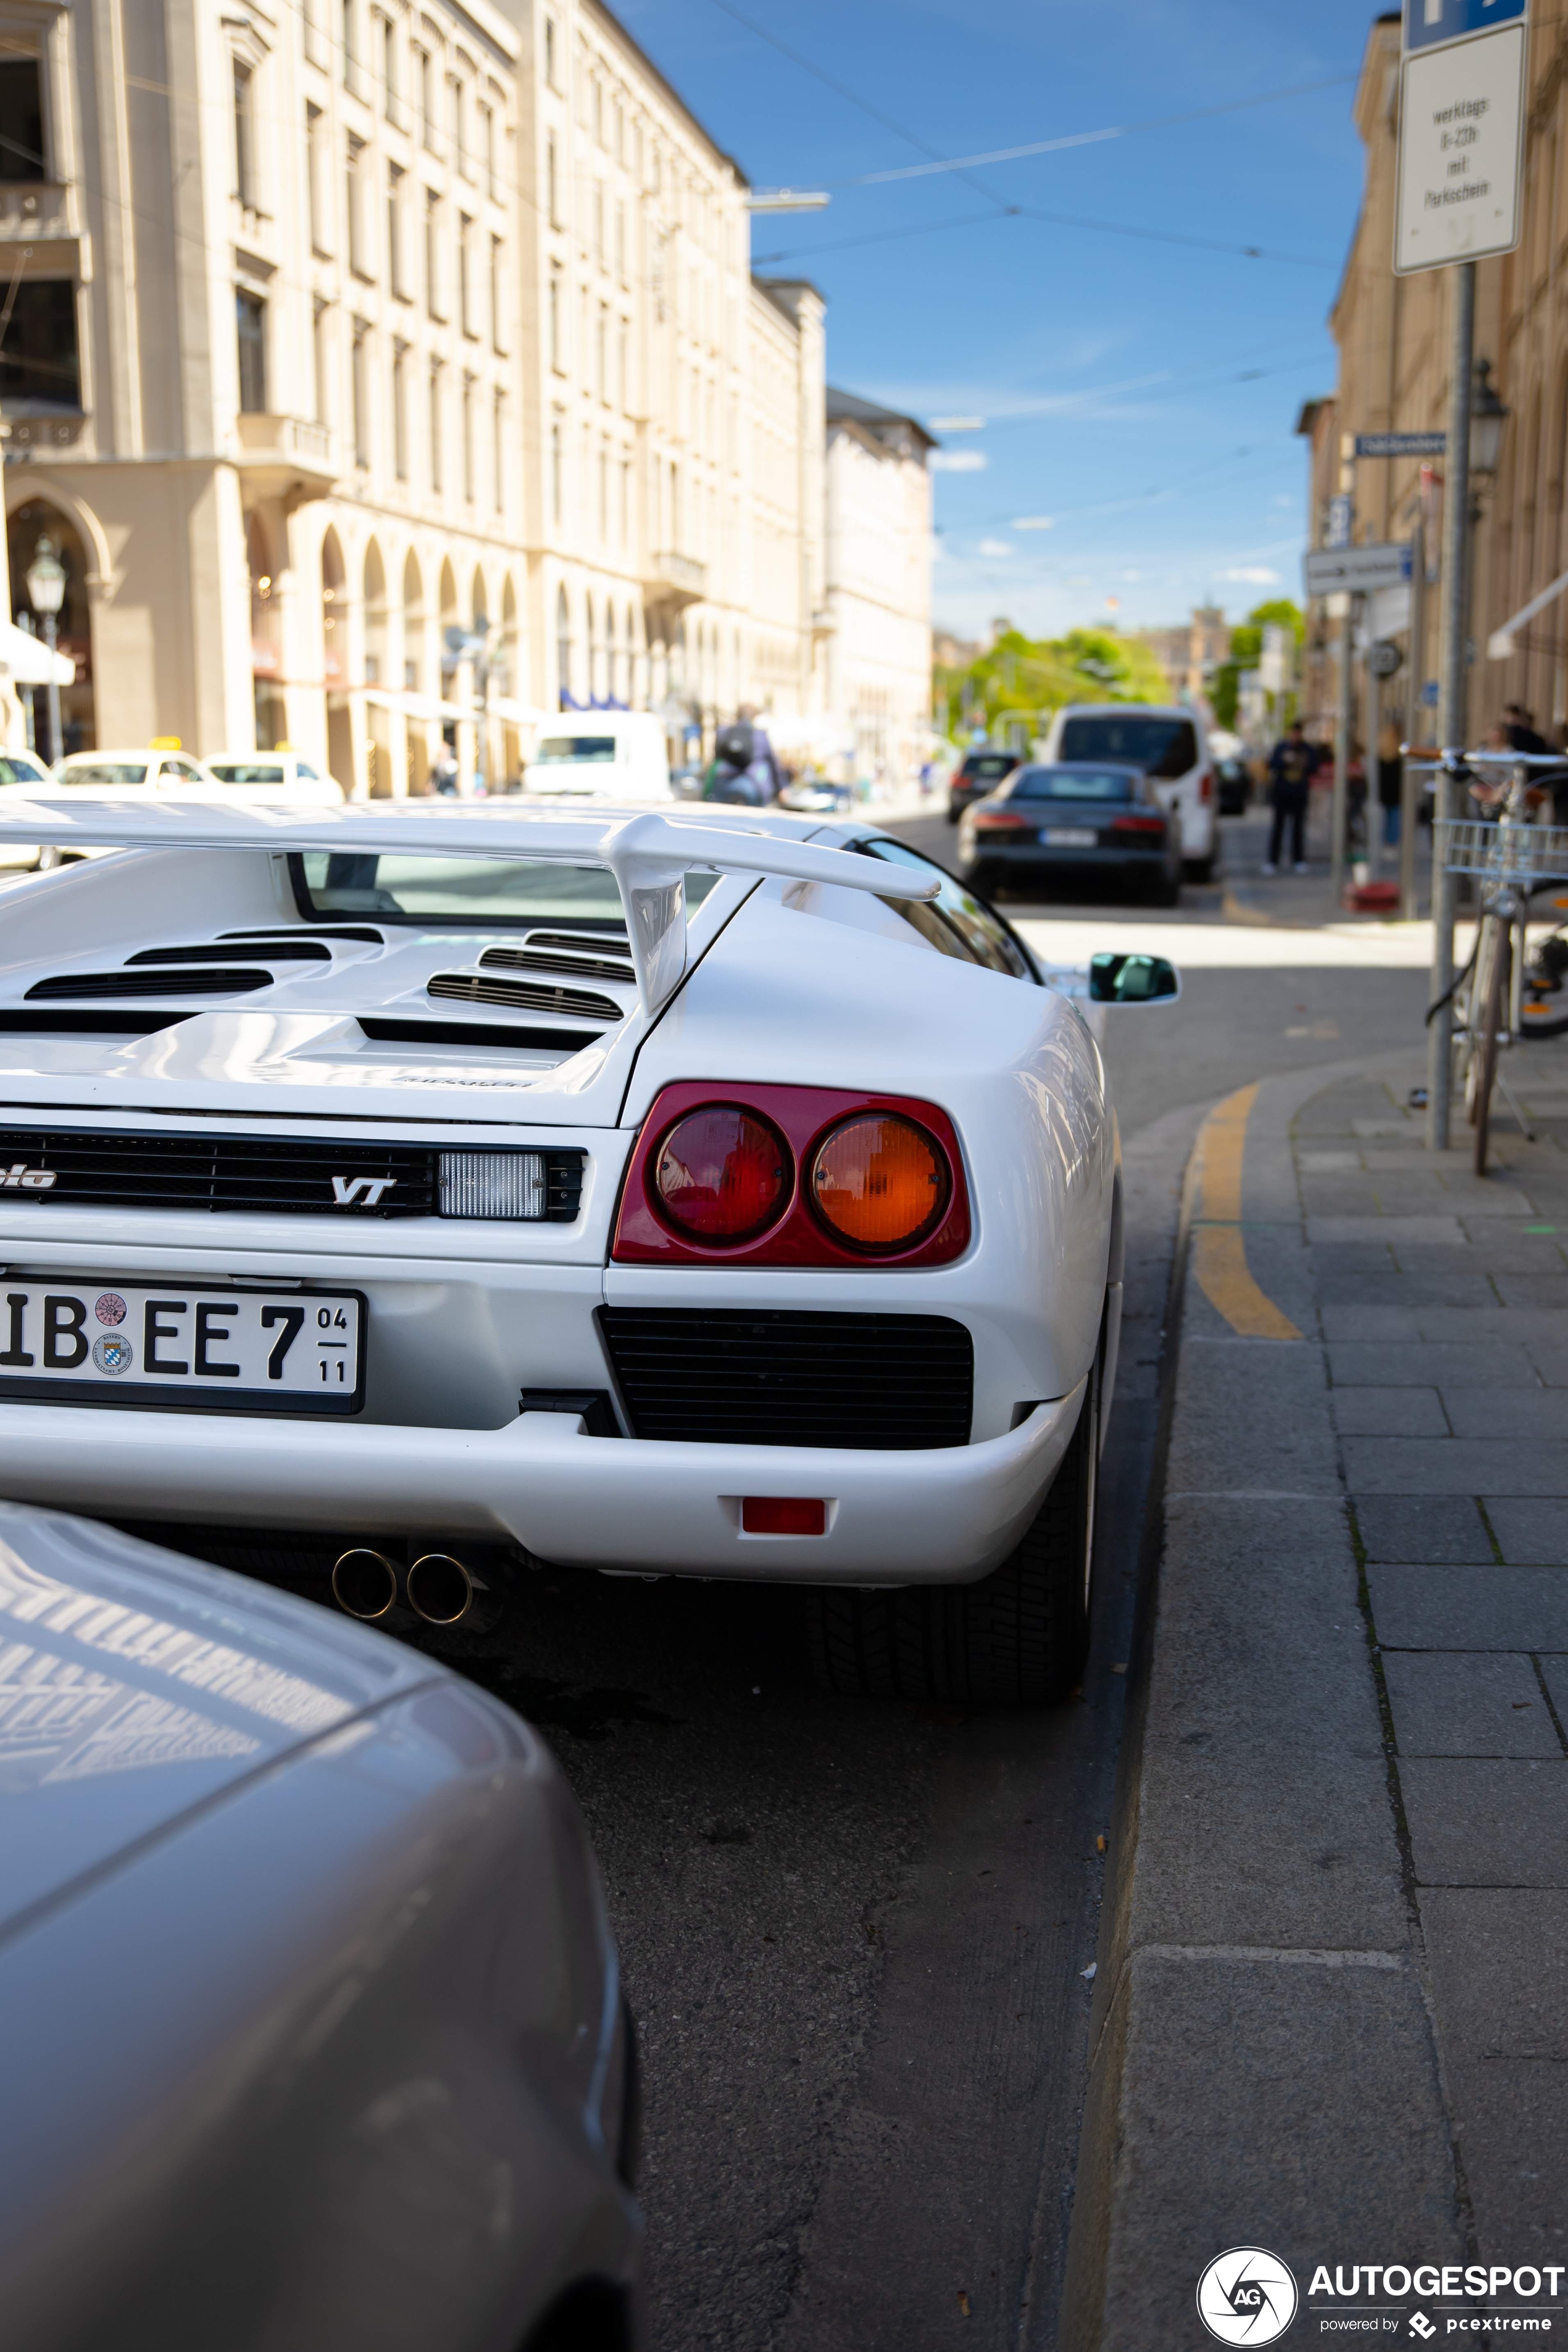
854, 1934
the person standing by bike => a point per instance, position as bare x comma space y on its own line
1291, 766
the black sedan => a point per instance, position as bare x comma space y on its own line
1078, 817
979, 772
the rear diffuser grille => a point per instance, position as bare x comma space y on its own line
229, 980
249, 1175
729, 1376
522, 995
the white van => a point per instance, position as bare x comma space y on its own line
603, 755
1170, 744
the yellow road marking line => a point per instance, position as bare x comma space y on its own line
1219, 1248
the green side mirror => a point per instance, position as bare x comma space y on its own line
1131, 978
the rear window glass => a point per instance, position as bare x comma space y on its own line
1161, 747
482, 890
16, 771
990, 766
248, 772
1072, 785
104, 772
575, 747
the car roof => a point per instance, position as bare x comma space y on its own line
1129, 711
131, 751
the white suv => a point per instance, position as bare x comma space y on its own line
1169, 744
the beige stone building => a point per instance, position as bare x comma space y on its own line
390, 375
1190, 652
1393, 339
878, 579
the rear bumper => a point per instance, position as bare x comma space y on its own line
944, 1517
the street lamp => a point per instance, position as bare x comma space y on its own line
1487, 417
45, 593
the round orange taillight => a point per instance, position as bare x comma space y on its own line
723, 1175
879, 1183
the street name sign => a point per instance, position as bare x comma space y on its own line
1462, 131
1341, 521
1360, 569
1401, 445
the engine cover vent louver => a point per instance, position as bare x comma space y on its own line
230, 980
530, 995
255, 951
735, 1376
539, 953
365, 931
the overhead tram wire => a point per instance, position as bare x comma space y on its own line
1061, 220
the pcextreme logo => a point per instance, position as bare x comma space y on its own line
1247, 2295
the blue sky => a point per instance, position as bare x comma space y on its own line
1140, 394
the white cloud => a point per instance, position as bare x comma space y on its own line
958, 461
1034, 522
995, 547
1255, 575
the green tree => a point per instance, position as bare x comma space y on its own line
1024, 675
1246, 648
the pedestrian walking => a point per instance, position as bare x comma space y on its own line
1291, 765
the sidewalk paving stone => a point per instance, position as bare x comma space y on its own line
1389, 1412
1531, 1529
1383, 1283
1464, 1702
1221, 1442
1440, 1608
1539, 1291
1487, 1822
1456, 1466
1431, 1363
1447, 1528
1388, 1233
1506, 1412
1349, 1321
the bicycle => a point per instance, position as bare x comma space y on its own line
1503, 998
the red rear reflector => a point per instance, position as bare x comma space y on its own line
998, 821
782, 1515
1205, 785
1138, 825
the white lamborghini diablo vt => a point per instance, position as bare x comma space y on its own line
708, 1194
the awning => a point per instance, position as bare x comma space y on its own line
28, 661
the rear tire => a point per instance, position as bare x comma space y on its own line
1017, 1638
1200, 870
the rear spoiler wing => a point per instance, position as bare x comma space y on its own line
650, 854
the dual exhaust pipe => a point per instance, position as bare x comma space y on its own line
440, 1589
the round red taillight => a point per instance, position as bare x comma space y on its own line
722, 1174
879, 1183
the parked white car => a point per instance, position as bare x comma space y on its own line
1172, 748
23, 769
275, 775
716, 1194
158, 768
618, 756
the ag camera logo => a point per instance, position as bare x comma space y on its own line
1247, 2295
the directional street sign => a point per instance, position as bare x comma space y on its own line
1461, 131
1401, 445
1341, 521
1433, 23
1361, 569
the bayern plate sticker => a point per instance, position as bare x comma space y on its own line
297, 1349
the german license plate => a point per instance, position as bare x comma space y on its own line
187, 1345
1069, 836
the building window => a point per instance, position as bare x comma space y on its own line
425, 76
320, 361
555, 484
361, 373
626, 503
21, 120
400, 410
488, 146
621, 243
250, 325
550, 53
498, 297
433, 289
598, 111
599, 222
468, 440
386, 46
498, 452
456, 110
623, 364
437, 421
353, 194
396, 275
552, 183
557, 358
465, 274
316, 177
353, 73
604, 493
244, 136
564, 648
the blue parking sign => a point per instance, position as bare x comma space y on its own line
1428, 24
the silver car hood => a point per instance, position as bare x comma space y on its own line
135, 1689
